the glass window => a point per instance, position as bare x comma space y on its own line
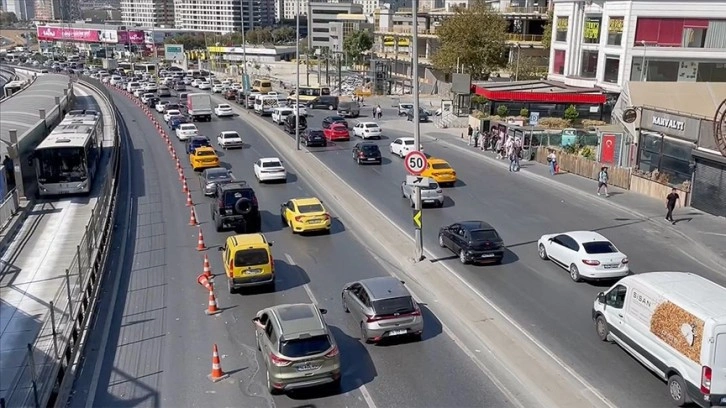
694, 37
612, 69
562, 25
591, 33
589, 64
615, 30
666, 71
677, 150
711, 72
559, 62
667, 156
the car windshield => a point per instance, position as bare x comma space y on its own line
188, 127
440, 166
172, 106
431, 186
310, 208
305, 347
484, 235
224, 106
172, 112
599, 247
337, 119
205, 153
271, 164
391, 306
406, 106
217, 175
250, 257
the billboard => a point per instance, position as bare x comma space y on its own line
108, 36
131, 37
174, 52
67, 34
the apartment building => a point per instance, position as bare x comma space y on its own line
608, 43
321, 15
63, 10
23, 9
346, 25
223, 16
148, 13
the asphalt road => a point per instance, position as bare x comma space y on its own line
540, 296
153, 347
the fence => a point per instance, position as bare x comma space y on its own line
8, 208
572, 163
55, 353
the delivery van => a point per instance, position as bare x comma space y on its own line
674, 323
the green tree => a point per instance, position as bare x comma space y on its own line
7, 18
189, 41
547, 34
473, 37
527, 69
356, 45
283, 35
502, 110
571, 113
524, 112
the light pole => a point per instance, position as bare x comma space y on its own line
418, 233
643, 73
516, 71
297, 74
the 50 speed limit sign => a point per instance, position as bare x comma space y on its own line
415, 162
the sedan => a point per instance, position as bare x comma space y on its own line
205, 85
146, 97
168, 113
176, 121
402, 146
229, 139
585, 254
305, 215
331, 120
161, 106
270, 169
203, 158
223, 110
337, 132
367, 152
216, 88
151, 103
313, 137
230, 95
473, 242
164, 91
186, 130
367, 130
196, 142
210, 178
180, 87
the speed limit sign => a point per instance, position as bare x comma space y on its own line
415, 162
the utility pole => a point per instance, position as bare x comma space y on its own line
297, 74
340, 76
418, 233
245, 77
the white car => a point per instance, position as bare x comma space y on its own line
367, 130
139, 91
151, 88
270, 169
236, 86
161, 106
402, 146
196, 82
585, 254
223, 109
279, 114
301, 110
169, 113
146, 96
205, 85
229, 139
227, 82
186, 130
188, 80
217, 88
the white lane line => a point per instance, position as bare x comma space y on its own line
713, 233
363, 390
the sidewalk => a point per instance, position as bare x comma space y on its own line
706, 230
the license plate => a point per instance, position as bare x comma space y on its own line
397, 332
253, 272
611, 266
488, 256
313, 221
307, 367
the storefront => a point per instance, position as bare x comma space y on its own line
709, 183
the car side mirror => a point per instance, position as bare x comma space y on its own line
220, 249
550, 239
601, 297
271, 243
323, 311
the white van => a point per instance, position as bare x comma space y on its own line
264, 104
674, 323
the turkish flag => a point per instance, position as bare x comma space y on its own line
607, 149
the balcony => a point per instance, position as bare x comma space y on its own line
405, 30
524, 38
525, 10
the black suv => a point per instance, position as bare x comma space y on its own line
367, 152
290, 124
235, 206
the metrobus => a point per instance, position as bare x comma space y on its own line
67, 160
310, 93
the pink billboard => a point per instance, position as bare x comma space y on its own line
131, 37
67, 34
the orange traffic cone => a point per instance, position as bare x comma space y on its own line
193, 218
178, 164
212, 308
185, 187
189, 199
207, 267
204, 281
181, 174
217, 373
200, 241
173, 155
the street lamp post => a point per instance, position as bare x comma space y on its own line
418, 233
297, 74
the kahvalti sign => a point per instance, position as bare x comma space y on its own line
67, 34
131, 37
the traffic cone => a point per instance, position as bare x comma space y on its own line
207, 267
189, 199
178, 164
185, 187
200, 241
193, 217
181, 173
173, 155
204, 281
212, 308
217, 373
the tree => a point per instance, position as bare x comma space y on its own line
502, 111
474, 38
524, 112
547, 34
7, 18
189, 41
527, 69
571, 113
283, 35
356, 45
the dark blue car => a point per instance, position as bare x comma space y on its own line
197, 141
175, 121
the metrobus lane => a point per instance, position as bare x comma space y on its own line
539, 295
430, 373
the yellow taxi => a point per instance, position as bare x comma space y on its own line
440, 171
248, 261
203, 157
305, 215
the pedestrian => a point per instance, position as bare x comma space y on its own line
602, 181
9, 168
476, 136
379, 111
509, 149
517, 152
470, 132
672, 200
552, 161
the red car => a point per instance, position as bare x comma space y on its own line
337, 131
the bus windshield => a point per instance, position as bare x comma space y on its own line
61, 165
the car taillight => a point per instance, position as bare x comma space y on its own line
625, 260
231, 265
360, 154
332, 353
279, 361
453, 173
591, 262
326, 217
706, 380
272, 262
298, 218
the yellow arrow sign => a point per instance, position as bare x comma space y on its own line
417, 218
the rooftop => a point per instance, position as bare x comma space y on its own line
703, 97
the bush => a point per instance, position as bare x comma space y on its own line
588, 153
502, 111
524, 112
479, 114
553, 123
589, 123
478, 100
571, 113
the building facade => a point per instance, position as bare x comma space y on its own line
63, 10
607, 43
24, 9
148, 13
222, 16
288, 8
320, 15
258, 14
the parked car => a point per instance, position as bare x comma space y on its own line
367, 152
473, 242
313, 137
431, 192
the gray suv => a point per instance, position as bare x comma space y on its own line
297, 347
383, 308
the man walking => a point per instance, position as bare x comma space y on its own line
602, 181
469, 133
672, 200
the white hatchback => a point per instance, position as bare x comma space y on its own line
402, 146
229, 140
270, 169
279, 114
186, 130
223, 109
584, 254
367, 130
168, 113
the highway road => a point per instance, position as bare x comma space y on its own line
151, 345
540, 296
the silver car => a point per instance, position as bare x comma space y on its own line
297, 347
383, 308
211, 177
431, 192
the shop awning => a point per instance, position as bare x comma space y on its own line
538, 91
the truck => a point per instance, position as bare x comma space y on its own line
199, 107
674, 324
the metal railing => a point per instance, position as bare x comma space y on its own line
8, 208
52, 359
524, 38
526, 10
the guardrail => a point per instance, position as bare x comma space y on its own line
51, 361
8, 208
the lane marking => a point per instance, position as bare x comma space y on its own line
713, 233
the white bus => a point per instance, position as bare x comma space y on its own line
67, 160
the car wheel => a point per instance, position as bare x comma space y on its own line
542, 252
575, 273
462, 256
345, 305
677, 390
601, 326
441, 241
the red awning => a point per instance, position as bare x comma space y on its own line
549, 97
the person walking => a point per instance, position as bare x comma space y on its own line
672, 200
552, 161
476, 137
509, 149
379, 111
517, 152
469, 133
602, 181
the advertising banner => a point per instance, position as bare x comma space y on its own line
131, 37
108, 36
174, 52
67, 34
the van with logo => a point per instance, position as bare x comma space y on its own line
265, 104
248, 261
674, 323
